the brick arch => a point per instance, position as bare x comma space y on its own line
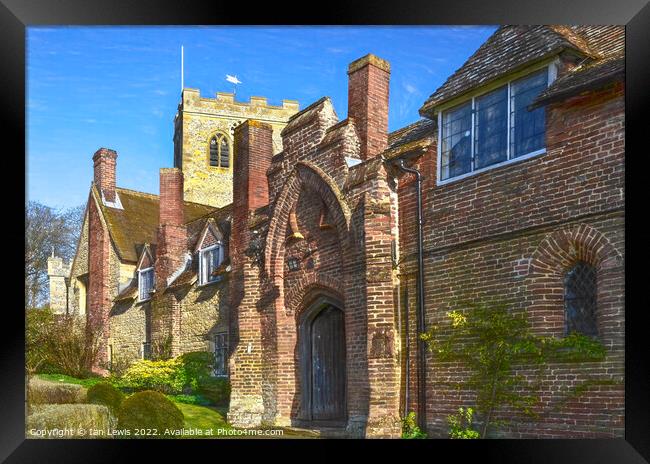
556, 254
562, 248
304, 176
310, 284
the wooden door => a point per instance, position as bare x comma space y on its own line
328, 365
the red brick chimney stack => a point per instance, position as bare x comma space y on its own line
368, 79
104, 165
254, 150
172, 233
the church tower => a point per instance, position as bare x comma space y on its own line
203, 140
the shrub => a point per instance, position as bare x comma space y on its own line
197, 367
410, 428
165, 376
460, 425
44, 392
106, 394
71, 417
216, 390
60, 343
149, 410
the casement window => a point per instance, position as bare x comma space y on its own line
145, 283
494, 128
221, 354
209, 259
219, 151
146, 350
580, 299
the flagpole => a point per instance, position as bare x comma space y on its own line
182, 70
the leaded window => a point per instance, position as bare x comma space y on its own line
527, 127
145, 283
219, 151
221, 354
494, 128
456, 141
580, 299
491, 128
209, 260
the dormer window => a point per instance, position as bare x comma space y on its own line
145, 283
209, 260
493, 128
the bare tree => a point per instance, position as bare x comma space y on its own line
47, 231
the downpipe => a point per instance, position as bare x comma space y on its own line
422, 373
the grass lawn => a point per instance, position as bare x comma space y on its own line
204, 418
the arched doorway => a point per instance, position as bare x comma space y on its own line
322, 363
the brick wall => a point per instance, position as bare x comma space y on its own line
511, 233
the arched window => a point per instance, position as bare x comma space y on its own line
580, 299
219, 151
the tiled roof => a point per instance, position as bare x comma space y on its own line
592, 75
137, 222
505, 51
416, 136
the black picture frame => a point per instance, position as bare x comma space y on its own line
16, 15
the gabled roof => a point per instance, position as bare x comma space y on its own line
508, 49
137, 222
586, 77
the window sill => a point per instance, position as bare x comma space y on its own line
525, 157
207, 284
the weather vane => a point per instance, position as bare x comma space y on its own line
234, 80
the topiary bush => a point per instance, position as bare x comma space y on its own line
44, 392
70, 421
149, 410
106, 394
216, 390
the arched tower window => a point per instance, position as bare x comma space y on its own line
580, 299
219, 151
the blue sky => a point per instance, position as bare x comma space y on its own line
118, 87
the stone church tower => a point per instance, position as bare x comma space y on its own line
203, 140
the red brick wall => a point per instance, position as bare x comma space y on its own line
104, 161
511, 233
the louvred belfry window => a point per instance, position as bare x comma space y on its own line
580, 299
219, 151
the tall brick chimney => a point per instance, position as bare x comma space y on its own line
254, 150
104, 166
172, 233
368, 79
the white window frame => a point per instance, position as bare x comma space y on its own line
202, 277
140, 272
552, 74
